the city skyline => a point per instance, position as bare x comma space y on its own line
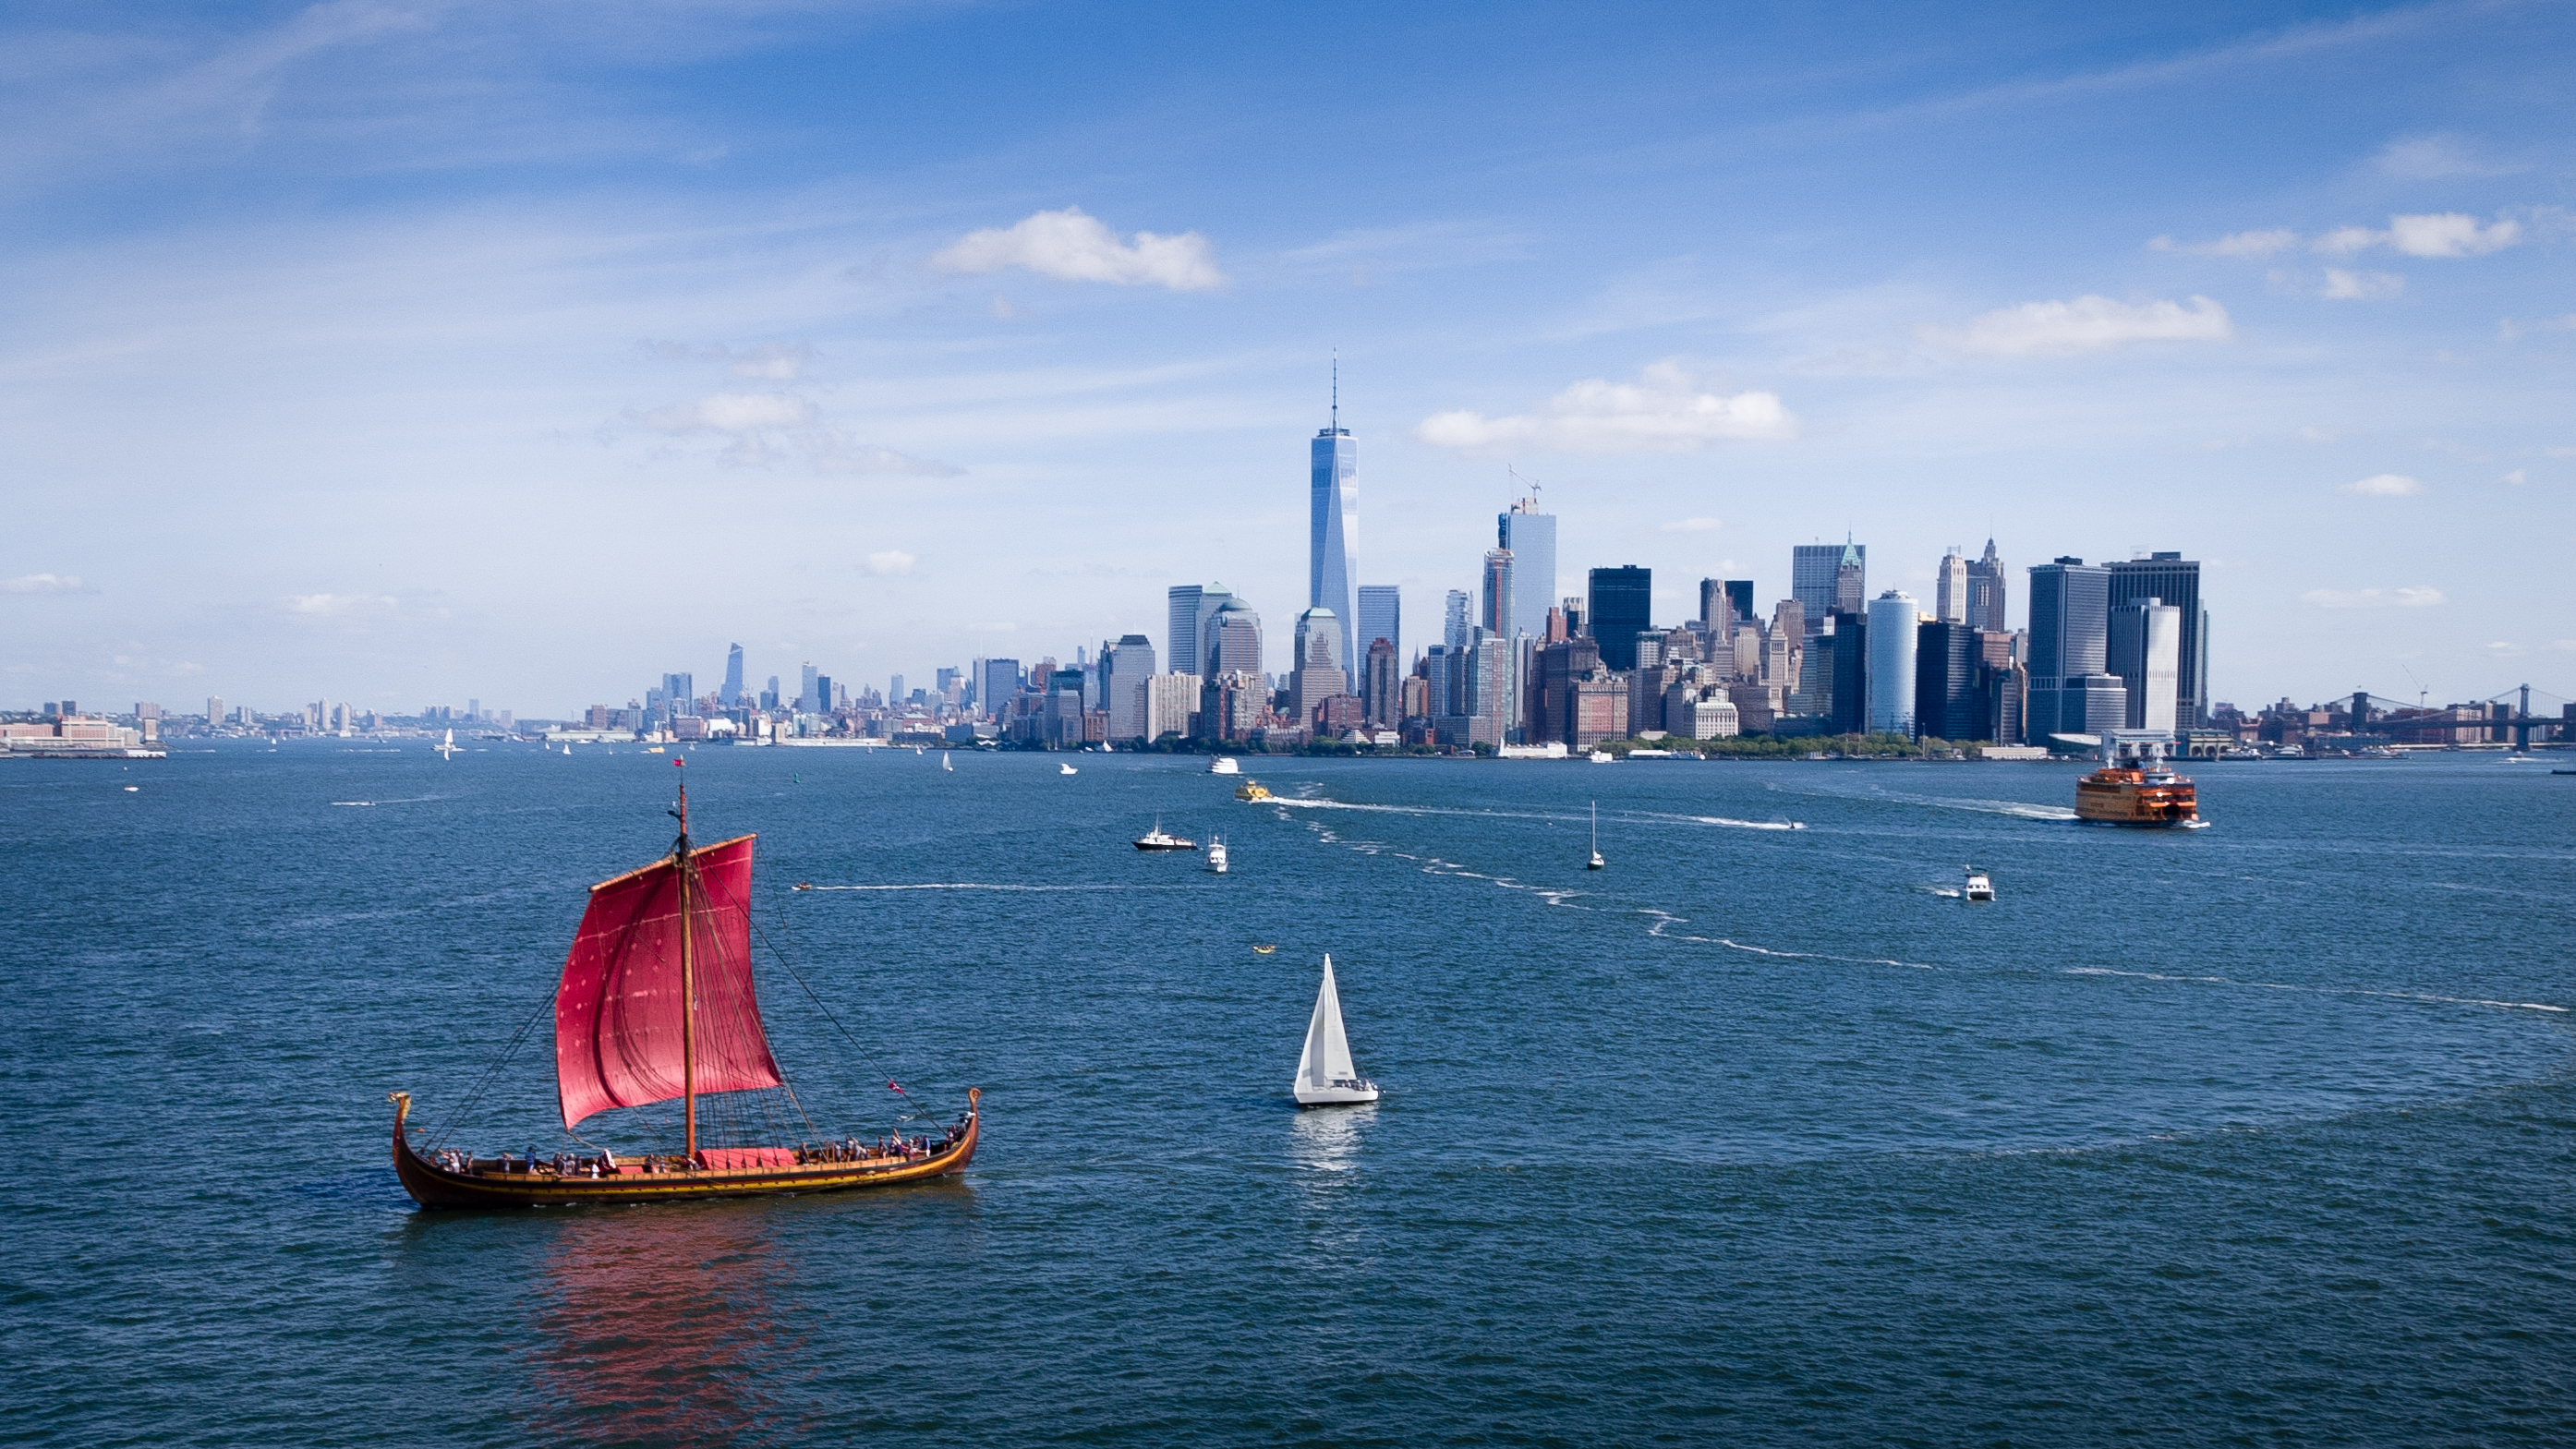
320, 368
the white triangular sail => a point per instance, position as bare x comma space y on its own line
1326, 1073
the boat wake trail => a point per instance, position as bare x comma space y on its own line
1666, 920
1317, 803
971, 885
2319, 990
2015, 809
1729, 822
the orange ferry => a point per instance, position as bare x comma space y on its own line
2138, 791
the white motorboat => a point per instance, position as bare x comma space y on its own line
1216, 854
1596, 862
1160, 839
1066, 770
1602, 757
1326, 1075
1979, 888
1224, 765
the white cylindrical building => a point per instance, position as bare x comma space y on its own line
1892, 620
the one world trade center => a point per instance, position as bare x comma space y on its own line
1333, 547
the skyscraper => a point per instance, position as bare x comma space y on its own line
1826, 579
1531, 537
1811, 580
1500, 593
1457, 617
1124, 668
1892, 639
1949, 679
1381, 617
1232, 638
2145, 650
1950, 596
2175, 580
1332, 558
1181, 625
732, 694
1318, 674
997, 683
1620, 604
807, 702
1845, 667
681, 693
2069, 638
1986, 592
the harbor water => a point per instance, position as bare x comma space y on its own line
2263, 1133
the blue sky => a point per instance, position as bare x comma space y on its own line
406, 353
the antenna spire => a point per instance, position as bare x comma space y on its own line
1337, 391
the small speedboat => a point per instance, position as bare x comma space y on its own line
1224, 765
1160, 839
1978, 888
1216, 855
1066, 770
1602, 757
802, 885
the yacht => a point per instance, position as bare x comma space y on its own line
1160, 839
1216, 855
1224, 765
1066, 770
1979, 888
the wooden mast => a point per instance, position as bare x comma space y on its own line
688, 981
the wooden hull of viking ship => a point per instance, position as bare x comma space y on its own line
489, 1184
656, 1004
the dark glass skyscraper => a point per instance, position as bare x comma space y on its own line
1620, 605
1948, 703
2070, 620
733, 677
2175, 580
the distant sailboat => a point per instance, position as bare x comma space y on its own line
1597, 862
943, 762
446, 748
1326, 1075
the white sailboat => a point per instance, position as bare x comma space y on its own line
446, 748
1596, 862
943, 762
1326, 1075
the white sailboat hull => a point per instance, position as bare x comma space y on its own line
1326, 1075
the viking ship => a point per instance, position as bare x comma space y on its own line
656, 1004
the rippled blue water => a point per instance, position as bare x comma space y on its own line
2254, 1134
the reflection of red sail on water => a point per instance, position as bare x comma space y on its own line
656, 1004
656, 1329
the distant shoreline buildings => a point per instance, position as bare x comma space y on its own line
1515, 667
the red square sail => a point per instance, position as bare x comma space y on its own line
618, 1018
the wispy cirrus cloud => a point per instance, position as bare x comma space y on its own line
2431, 235
2384, 485
2084, 324
2342, 285
891, 563
2419, 596
1076, 247
777, 361
763, 427
1691, 525
1666, 410
338, 606
43, 584
2236, 244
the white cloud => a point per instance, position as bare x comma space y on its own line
2430, 234
890, 563
2419, 597
336, 606
2504, 649
2235, 244
2086, 324
732, 412
2429, 158
830, 452
2564, 645
2344, 286
2517, 478
42, 584
1691, 525
2384, 485
1076, 247
1665, 410
2511, 329
778, 361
